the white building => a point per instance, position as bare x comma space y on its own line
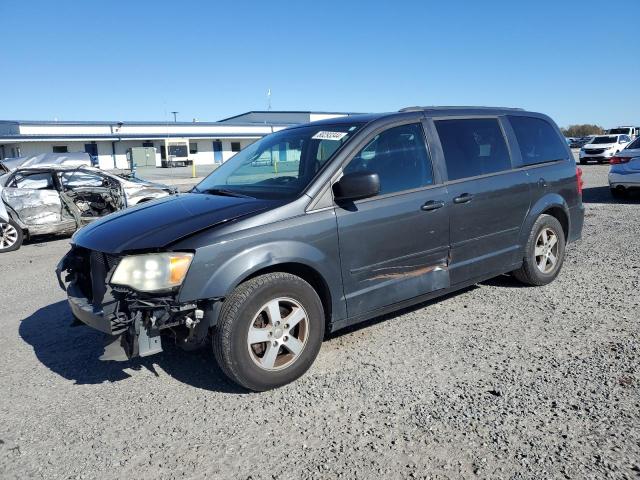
109, 142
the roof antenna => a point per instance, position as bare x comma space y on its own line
269, 100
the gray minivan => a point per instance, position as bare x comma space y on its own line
324, 225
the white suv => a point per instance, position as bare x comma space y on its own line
603, 147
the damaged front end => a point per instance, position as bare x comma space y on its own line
133, 321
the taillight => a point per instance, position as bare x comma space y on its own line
579, 178
617, 160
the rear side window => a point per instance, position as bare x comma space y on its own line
33, 181
473, 147
400, 158
538, 140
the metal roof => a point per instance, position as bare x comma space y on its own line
278, 112
117, 123
224, 121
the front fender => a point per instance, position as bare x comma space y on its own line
214, 280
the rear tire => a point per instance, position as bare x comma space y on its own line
544, 252
618, 193
269, 331
11, 236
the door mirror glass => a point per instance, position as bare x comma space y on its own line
356, 186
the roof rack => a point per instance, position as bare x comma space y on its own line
436, 107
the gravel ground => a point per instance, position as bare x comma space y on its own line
496, 381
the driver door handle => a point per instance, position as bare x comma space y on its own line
464, 198
432, 205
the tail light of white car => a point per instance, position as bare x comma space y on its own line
616, 160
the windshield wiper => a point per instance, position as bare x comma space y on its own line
222, 192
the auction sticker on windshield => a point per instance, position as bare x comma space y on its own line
322, 135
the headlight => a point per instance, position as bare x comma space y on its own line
152, 272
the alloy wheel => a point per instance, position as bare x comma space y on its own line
278, 334
8, 235
546, 250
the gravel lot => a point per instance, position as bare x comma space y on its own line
496, 381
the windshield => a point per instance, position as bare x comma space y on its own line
622, 131
599, 140
280, 165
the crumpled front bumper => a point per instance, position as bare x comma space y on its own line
103, 318
126, 336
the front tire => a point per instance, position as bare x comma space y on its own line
11, 236
269, 331
544, 252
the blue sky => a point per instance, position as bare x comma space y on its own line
577, 61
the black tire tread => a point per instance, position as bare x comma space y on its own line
222, 341
525, 274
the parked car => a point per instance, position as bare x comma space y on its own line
60, 199
582, 141
624, 175
603, 147
381, 212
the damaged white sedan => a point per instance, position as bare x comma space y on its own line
60, 199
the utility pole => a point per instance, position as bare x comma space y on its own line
174, 116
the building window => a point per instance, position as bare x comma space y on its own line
147, 144
193, 147
235, 146
60, 149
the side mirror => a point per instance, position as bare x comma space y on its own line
356, 185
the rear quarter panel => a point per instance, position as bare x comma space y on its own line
552, 185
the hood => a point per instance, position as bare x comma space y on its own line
599, 145
156, 224
130, 181
132, 188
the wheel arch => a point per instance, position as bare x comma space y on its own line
559, 214
309, 275
11, 214
552, 204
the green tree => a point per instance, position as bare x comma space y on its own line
582, 130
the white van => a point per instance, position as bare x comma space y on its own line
633, 132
